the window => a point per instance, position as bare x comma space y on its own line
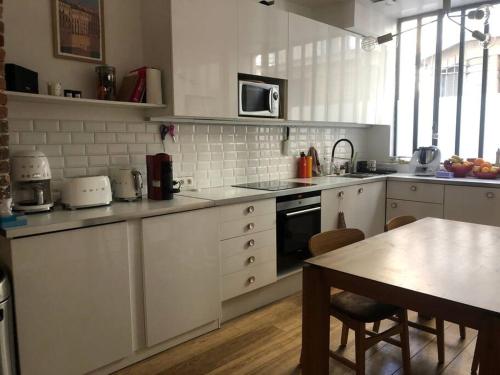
448, 86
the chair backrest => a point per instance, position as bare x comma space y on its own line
335, 239
399, 222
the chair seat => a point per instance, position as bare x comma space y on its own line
361, 308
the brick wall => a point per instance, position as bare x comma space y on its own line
4, 128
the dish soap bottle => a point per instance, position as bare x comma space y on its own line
497, 163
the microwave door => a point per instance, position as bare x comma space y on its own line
255, 99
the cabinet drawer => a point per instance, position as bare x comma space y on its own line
420, 210
479, 205
249, 259
249, 209
415, 191
248, 225
247, 280
254, 241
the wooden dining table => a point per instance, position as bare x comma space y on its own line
441, 268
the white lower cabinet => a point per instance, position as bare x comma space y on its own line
419, 210
479, 205
72, 298
181, 273
363, 206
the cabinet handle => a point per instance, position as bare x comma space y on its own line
251, 243
251, 260
251, 280
360, 191
250, 226
251, 209
490, 195
394, 205
413, 188
340, 194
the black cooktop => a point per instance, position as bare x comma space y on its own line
274, 185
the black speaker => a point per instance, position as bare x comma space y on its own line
21, 79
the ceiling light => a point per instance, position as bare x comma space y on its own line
485, 39
481, 13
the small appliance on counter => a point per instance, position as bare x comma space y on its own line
82, 192
160, 177
31, 182
425, 161
21, 79
127, 184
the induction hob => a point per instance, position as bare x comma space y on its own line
274, 185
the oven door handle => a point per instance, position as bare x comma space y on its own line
296, 213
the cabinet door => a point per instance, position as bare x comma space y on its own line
369, 208
262, 40
72, 296
420, 210
472, 204
308, 69
335, 200
204, 54
181, 273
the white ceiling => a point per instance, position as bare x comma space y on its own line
406, 8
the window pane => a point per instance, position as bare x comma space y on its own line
426, 83
449, 86
492, 123
408, 47
471, 99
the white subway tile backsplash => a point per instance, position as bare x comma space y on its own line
71, 126
50, 150
116, 127
83, 138
74, 172
137, 148
14, 149
120, 160
117, 149
105, 138
95, 126
56, 162
32, 138
76, 161
153, 128
100, 149
125, 137
144, 138
73, 150
98, 171
136, 127
155, 149
16, 125
58, 138
101, 160
13, 138
46, 125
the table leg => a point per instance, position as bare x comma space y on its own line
315, 322
489, 347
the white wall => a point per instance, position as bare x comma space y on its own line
28, 42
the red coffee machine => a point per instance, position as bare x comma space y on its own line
160, 177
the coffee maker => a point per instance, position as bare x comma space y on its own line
160, 177
31, 182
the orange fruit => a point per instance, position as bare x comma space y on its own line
476, 168
478, 161
485, 169
486, 164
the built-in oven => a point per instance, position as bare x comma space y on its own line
258, 99
298, 218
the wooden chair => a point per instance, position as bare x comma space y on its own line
355, 311
439, 330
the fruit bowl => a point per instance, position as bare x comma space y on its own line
486, 175
460, 170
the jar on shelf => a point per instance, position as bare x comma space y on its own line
106, 82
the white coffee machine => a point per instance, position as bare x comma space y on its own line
31, 182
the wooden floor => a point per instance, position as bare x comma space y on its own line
267, 341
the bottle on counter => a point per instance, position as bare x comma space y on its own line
497, 163
309, 160
302, 166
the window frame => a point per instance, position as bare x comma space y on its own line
440, 14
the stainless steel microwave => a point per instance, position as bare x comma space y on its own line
258, 99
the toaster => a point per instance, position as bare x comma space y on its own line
81, 192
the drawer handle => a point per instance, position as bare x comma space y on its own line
251, 280
251, 260
251, 226
251, 209
394, 205
340, 194
413, 188
360, 191
251, 243
490, 195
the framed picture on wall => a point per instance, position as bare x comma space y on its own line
78, 27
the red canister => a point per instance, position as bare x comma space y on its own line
302, 166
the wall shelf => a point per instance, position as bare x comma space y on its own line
49, 99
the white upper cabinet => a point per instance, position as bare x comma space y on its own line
308, 69
262, 40
204, 57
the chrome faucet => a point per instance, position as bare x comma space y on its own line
349, 163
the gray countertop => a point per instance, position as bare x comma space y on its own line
60, 219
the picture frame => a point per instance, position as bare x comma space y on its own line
78, 30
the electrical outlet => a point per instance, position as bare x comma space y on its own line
187, 182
